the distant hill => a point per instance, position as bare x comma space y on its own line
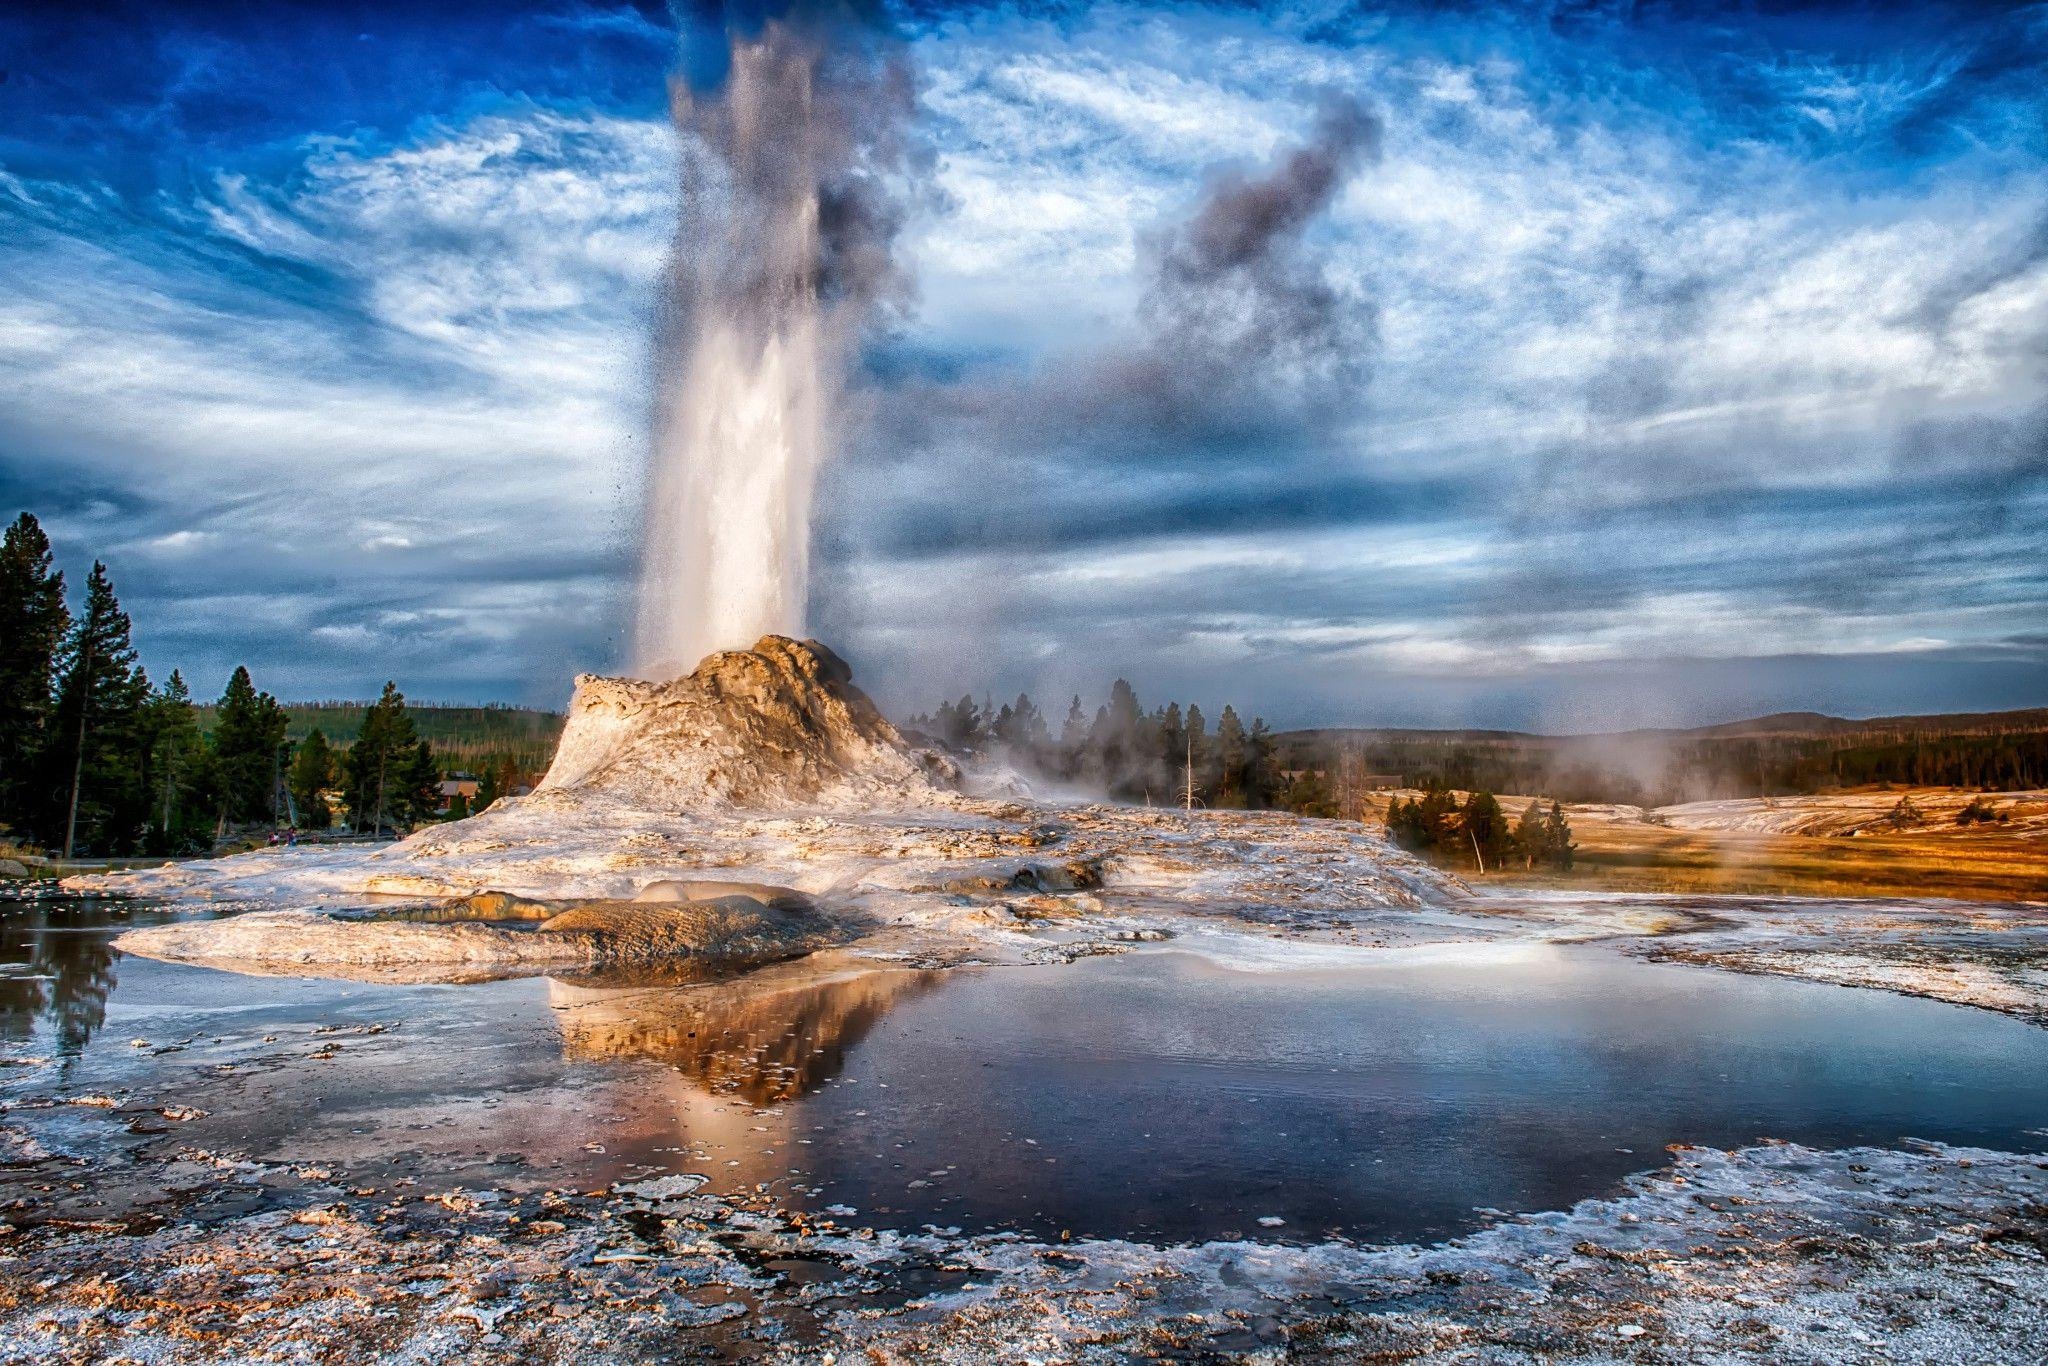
1784, 724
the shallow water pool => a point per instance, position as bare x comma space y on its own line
1155, 1095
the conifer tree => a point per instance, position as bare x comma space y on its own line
94, 741
1173, 739
1529, 835
390, 770
312, 777
1435, 813
248, 739
181, 772
1261, 774
1230, 759
1557, 840
1486, 830
1407, 827
33, 623
487, 790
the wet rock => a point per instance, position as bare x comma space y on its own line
727, 929
690, 890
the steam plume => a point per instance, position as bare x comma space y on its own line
782, 255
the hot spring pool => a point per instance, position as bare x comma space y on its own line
1156, 1095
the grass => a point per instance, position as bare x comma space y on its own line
1644, 858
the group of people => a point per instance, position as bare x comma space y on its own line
289, 837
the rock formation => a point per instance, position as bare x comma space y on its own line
779, 726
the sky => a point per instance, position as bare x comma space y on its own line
1553, 366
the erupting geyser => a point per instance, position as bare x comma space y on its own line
781, 256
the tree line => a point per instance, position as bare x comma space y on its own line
1165, 756
96, 758
1476, 831
1661, 772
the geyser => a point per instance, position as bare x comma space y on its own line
782, 255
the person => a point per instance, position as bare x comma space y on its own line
291, 837
273, 839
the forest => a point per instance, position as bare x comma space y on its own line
1996, 752
97, 758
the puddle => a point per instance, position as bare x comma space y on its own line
1152, 1095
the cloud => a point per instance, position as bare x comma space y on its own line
1618, 350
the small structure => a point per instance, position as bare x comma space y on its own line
463, 785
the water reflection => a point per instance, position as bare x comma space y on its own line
774, 1035
56, 972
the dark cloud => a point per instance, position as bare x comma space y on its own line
1238, 305
1244, 360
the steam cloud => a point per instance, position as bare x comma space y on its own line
1246, 354
791, 201
1247, 358
1235, 285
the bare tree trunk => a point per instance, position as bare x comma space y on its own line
78, 760
170, 786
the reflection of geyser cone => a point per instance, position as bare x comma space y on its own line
739, 1049
774, 727
770, 1036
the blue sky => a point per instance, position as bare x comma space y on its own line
1668, 363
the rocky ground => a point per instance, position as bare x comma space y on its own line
1776, 1253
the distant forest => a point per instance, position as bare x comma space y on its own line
1135, 754
469, 739
1998, 752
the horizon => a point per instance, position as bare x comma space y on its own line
1252, 712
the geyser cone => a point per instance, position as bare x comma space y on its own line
774, 727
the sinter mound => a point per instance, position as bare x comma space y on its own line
775, 727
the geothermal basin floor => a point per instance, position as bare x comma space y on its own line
1217, 1143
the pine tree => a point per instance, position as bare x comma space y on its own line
1557, 840
1230, 759
312, 777
1031, 728
93, 746
487, 790
33, 623
1435, 818
1485, 826
1261, 774
390, 771
1529, 835
181, 772
964, 724
1173, 739
422, 792
1195, 748
1407, 827
1073, 735
248, 743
